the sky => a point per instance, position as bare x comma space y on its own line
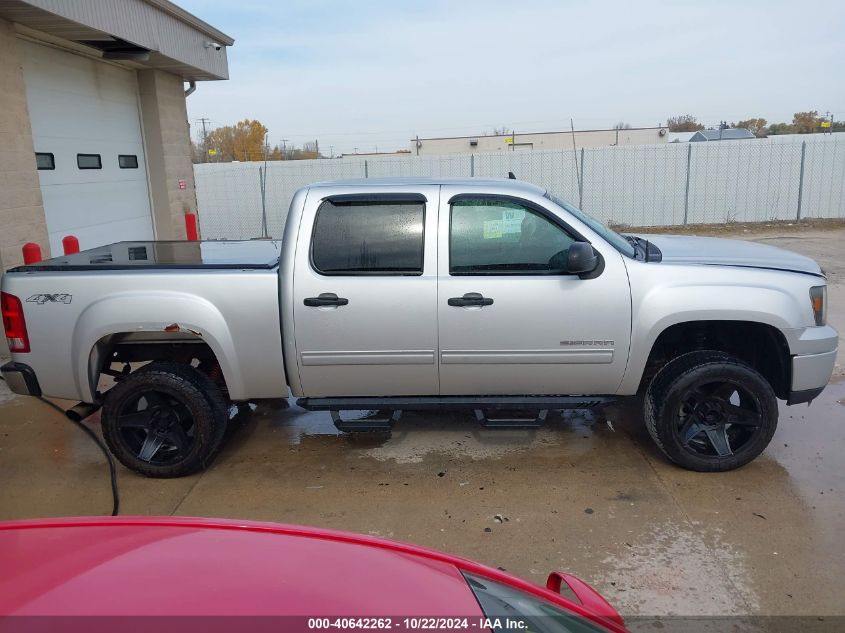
371, 75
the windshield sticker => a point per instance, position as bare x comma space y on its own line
492, 229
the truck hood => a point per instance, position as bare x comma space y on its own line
714, 251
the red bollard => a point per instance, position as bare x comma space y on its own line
31, 253
191, 226
70, 244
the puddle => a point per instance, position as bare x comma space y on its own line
451, 434
671, 570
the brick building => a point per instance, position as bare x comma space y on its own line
94, 136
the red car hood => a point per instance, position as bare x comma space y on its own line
185, 566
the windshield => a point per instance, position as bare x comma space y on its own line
509, 606
616, 241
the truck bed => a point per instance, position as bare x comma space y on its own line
222, 294
242, 255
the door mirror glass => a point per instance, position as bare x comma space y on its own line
581, 259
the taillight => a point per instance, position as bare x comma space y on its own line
14, 323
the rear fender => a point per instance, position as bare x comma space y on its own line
134, 312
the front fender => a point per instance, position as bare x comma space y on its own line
663, 306
130, 312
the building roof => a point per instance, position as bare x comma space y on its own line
680, 137
148, 33
729, 134
525, 133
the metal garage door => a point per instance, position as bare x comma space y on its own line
87, 134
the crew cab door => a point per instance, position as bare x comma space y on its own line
365, 292
511, 322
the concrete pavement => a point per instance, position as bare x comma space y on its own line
588, 493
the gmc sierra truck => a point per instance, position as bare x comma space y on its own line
390, 295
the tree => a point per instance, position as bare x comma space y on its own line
683, 123
756, 126
622, 126
780, 128
242, 141
806, 122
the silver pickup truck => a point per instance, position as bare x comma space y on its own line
390, 295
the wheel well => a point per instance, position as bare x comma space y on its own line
113, 354
761, 346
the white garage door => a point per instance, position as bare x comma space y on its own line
87, 133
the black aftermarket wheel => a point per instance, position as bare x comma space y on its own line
164, 420
708, 411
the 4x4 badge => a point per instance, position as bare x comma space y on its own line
41, 299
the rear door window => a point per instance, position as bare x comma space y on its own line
368, 237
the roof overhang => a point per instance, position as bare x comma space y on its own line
148, 33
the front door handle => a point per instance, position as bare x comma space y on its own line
325, 299
470, 299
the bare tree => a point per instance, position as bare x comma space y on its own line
683, 123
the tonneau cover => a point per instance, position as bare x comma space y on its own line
242, 254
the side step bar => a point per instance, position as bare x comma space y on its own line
379, 424
511, 422
445, 403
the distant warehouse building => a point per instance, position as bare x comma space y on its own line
538, 140
94, 137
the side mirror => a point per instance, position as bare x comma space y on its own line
582, 258
586, 595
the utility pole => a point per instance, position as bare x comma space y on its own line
417, 144
829, 115
203, 120
331, 151
575, 157
284, 149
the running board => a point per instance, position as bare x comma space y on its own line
381, 424
446, 403
511, 422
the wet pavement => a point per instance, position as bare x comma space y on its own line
588, 493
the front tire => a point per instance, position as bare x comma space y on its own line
710, 412
164, 420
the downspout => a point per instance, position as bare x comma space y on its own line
192, 85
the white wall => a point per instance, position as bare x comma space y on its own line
645, 185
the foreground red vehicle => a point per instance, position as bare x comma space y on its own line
310, 579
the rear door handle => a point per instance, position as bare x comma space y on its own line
470, 299
325, 299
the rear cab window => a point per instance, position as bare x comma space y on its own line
354, 235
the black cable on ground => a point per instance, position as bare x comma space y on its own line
112, 467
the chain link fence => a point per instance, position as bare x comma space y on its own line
641, 185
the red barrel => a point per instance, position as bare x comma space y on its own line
70, 244
31, 253
191, 226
